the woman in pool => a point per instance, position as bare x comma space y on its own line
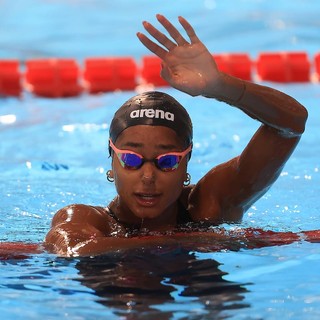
151, 143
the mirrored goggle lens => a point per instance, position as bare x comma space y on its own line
168, 162
133, 161
130, 161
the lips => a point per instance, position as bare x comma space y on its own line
147, 199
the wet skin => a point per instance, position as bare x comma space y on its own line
148, 196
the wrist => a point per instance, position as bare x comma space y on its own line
214, 86
228, 89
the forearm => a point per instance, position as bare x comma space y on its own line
104, 245
63, 243
78, 246
216, 240
66, 244
271, 107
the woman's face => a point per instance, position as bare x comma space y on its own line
148, 192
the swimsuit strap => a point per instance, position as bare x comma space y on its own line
183, 215
182, 218
111, 214
124, 224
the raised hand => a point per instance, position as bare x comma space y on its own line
186, 66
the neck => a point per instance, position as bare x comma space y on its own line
166, 221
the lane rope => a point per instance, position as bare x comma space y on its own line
63, 77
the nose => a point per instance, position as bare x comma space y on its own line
148, 172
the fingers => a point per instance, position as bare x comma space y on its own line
165, 41
189, 30
152, 46
174, 33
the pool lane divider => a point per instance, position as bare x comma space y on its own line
61, 77
216, 240
10, 78
284, 67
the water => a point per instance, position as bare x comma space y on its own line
55, 153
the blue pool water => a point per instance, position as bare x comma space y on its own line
53, 153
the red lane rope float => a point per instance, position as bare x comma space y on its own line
238, 65
18, 250
317, 65
109, 74
64, 77
150, 71
284, 67
53, 77
10, 78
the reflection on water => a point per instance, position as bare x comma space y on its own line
158, 283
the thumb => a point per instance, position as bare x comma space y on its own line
165, 72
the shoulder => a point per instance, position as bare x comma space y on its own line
85, 217
79, 212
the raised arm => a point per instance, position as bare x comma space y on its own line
228, 190
189, 67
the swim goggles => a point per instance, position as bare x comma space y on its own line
133, 161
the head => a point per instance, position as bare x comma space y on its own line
150, 124
154, 109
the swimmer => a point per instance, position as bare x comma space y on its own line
151, 143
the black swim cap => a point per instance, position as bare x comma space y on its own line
155, 109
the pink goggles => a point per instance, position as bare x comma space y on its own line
165, 162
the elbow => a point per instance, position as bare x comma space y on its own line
301, 121
57, 242
298, 123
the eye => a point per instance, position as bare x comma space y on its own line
131, 160
168, 161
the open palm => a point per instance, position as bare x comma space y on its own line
186, 66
